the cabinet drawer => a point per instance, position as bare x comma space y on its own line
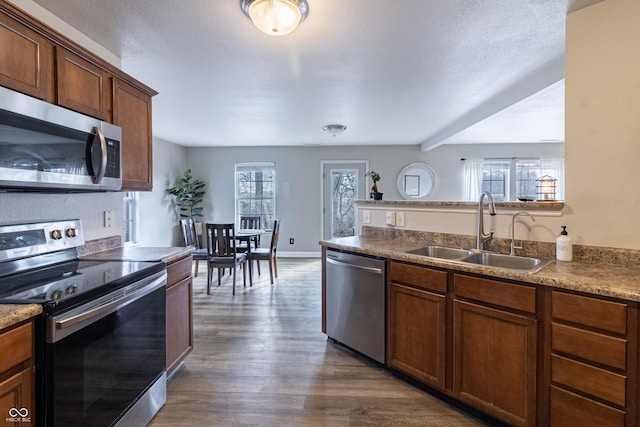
606, 315
517, 297
569, 409
589, 379
178, 270
421, 277
592, 346
17, 346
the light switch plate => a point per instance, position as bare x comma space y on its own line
391, 218
108, 219
400, 219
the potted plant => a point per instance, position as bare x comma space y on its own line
188, 193
375, 177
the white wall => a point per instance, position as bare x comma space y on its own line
158, 219
603, 123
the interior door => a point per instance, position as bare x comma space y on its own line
343, 183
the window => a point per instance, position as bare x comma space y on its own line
513, 179
256, 192
130, 217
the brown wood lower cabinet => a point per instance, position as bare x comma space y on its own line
16, 374
495, 362
593, 361
417, 330
524, 354
179, 312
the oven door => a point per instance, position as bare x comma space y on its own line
103, 356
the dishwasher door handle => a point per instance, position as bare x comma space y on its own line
374, 270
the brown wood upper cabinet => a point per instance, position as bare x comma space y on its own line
31, 54
132, 112
26, 60
82, 86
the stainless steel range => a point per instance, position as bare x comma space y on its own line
101, 342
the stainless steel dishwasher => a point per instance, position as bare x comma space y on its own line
355, 302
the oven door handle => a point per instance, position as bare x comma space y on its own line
66, 324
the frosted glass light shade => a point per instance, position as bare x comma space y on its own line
275, 17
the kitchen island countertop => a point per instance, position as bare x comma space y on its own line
594, 278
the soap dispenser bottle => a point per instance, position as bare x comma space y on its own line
564, 246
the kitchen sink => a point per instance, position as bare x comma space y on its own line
512, 262
442, 252
507, 261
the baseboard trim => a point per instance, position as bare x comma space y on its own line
299, 254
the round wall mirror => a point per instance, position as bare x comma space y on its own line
416, 181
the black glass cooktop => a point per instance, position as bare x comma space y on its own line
68, 283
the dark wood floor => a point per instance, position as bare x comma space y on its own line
261, 360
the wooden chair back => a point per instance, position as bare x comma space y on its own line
274, 236
189, 233
221, 240
250, 223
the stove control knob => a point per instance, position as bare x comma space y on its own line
71, 232
56, 234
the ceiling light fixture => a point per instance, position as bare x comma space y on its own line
334, 129
275, 17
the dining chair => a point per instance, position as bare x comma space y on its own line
222, 253
249, 223
190, 236
269, 254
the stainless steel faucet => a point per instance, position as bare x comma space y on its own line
513, 230
483, 238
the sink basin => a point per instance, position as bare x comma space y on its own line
442, 252
507, 261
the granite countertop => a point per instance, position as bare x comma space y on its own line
600, 279
11, 314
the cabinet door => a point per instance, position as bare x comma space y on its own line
82, 85
132, 112
16, 399
495, 362
179, 323
416, 333
26, 60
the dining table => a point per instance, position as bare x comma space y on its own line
249, 236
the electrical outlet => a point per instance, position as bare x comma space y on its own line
291, 241
400, 219
108, 219
366, 217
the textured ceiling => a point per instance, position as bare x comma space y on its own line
394, 72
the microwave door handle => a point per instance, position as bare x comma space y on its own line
103, 156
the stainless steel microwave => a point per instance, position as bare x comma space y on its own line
48, 147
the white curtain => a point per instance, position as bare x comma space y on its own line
472, 179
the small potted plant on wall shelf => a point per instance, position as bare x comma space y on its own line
375, 178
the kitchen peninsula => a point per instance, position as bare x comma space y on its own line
554, 347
